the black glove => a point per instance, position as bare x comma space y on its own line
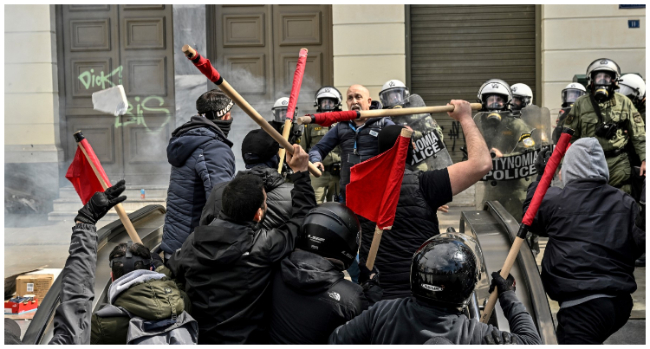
156, 261
502, 285
497, 337
364, 275
542, 160
100, 203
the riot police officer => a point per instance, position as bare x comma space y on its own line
280, 115
569, 96
505, 135
612, 119
394, 94
633, 87
328, 99
444, 273
522, 96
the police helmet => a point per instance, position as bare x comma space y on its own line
328, 98
522, 96
495, 94
280, 109
445, 270
603, 65
632, 86
393, 93
571, 92
331, 230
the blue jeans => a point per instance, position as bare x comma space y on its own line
354, 271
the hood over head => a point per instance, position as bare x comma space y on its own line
189, 136
584, 159
309, 272
129, 279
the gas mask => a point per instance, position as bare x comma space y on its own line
602, 86
495, 102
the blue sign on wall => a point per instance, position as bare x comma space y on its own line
629, 7
633, 23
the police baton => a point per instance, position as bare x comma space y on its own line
213, 75
540, 191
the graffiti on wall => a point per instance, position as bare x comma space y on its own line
143, 105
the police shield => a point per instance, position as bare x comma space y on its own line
429, 153
539, 120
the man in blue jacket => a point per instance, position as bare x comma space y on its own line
200, 155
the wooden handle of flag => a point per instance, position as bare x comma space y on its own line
248, 109
378, 113
505, 271
118, 208
285, 134
372, 254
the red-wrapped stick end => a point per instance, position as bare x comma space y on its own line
205, 67
327, 119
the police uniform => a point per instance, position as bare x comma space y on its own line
631, 128
424, 124
327, 185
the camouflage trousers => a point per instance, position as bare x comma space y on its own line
619, 172
325, 186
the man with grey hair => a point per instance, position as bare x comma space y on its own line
593, 242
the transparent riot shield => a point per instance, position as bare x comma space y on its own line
539, 120
429, 153
511, 143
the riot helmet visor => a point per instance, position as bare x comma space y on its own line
571, 95
392, 97
628, 92
280, 114
495, 102
518, 102
602, 78
327, 104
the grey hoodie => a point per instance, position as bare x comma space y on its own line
584, 159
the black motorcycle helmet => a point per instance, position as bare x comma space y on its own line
331, 230
445, 270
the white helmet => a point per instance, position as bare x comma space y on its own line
632, 86
603, 64
500, 92
571, 92
522, 96
328, 98
393, 93
280, 109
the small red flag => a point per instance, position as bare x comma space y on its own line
81, 174
375, 185
297, 82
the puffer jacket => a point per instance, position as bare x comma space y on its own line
305, 280
226, 269
348, 135
415, 222
278, 198
146, 294
201, 157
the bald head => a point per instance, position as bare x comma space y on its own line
358, 98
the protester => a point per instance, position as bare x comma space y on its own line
421, 194
200, 155
260, 154
588, 263
226, 266
357, 139
310, 296
443, 274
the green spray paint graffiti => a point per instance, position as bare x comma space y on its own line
145, 105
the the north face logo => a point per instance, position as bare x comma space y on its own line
334, 295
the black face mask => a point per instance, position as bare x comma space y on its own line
224, 125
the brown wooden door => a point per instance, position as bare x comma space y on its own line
107, 45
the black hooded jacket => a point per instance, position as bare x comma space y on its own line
226, 269
278, 198
201, 157
310, 298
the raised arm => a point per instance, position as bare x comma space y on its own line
479, 162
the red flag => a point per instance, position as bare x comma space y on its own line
375, 185
81, 174
297, 82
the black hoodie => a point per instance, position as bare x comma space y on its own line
310, 298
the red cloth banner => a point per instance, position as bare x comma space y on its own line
206, 68
327, 119
297, 82
375, 185
81, 174
552, 164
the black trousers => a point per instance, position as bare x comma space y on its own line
594, 321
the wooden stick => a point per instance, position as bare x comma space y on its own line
118, 208
372, 254
285, 134
248, 109
505, 271
378, 113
